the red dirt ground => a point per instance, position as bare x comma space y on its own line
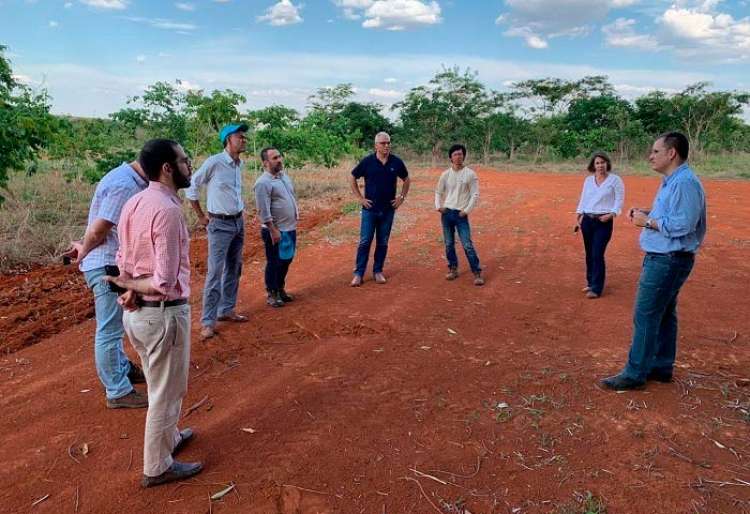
392, 398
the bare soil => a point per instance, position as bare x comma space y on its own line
417, 396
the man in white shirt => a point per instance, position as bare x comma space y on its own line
456, 195
222, 176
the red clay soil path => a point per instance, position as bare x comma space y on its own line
421, 395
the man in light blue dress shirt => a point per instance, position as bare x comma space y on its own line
97, 250
221, 174
673, 230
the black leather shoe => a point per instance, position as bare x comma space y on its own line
135, 375
621, 383
177, 471
285, 297
186, 434
660, 376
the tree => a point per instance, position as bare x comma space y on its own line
26, 125
553, 95
447, 109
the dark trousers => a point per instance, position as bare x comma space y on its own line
596, 236
654, 344
376, 224
453, 223
276, 267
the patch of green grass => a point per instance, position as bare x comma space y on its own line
350, 207
585, 503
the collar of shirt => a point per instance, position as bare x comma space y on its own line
228, 159
680, 169
166, 191
272, 176
136, 176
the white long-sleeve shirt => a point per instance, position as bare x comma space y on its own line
604, 198
457, 190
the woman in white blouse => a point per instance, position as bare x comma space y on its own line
601, 200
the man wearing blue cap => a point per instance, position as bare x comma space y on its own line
221, 174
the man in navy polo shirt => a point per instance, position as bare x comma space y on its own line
380, 170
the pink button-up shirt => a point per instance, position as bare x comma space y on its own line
154, 241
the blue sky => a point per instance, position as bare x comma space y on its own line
91, 55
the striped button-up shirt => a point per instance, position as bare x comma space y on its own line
115, 188
222, 176
154, 241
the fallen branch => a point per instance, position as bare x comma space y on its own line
76, 505
194, 407
423, 493
472, 475
130, 462
307, 330
425, 475
734, 338
40, 500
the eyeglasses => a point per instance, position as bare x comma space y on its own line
384, 142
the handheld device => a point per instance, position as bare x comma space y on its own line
113, 271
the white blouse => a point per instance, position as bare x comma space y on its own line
604, 198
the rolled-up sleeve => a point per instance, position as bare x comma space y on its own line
263, 201
166, 226
684, 212
198, 180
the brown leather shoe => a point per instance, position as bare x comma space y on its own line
452, 274
380, 278
208, 332
233, 316
132, 400
356, 281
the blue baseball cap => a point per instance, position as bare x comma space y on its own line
228, 130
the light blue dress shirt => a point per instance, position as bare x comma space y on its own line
223, 178
679, 212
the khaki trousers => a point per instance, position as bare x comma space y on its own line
161, 336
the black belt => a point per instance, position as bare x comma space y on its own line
594, 216
680, 254
225, 216
168, 303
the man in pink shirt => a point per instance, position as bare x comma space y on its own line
155, 270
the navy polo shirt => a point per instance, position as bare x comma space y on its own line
380, 179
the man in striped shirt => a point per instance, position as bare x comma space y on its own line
154, 263
94, 253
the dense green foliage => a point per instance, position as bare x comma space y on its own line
541, 119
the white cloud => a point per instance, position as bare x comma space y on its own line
160, 23
390, 94
538, 21
621, 33
282, 14
117, 5
184, 6
23, 79
52, 24
391, 14
140, 59
701, 30
185, 86
390, 80
68, 5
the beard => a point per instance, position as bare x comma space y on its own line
181, 181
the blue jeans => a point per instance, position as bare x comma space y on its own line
225, 241
112, 365
654, 343
596, 236
375, 224
452, 222
276, 267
